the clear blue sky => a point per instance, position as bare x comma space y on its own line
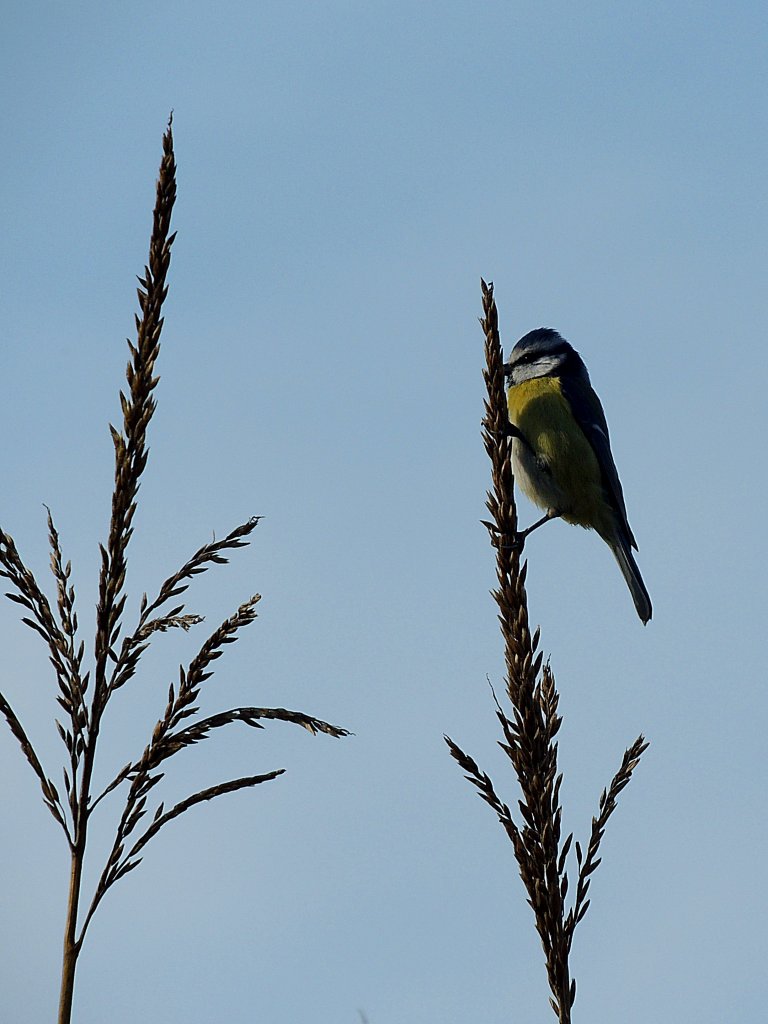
347, 172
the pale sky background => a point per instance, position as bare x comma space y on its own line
347, 172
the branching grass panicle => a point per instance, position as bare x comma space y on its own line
83, 695
529, 729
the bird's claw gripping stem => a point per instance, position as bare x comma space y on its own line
522, 535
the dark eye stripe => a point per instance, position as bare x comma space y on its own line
550, 353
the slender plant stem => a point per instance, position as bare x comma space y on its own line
130, 460
71, 945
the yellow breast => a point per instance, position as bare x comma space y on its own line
570, 470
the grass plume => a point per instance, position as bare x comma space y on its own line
530, 727
83, 695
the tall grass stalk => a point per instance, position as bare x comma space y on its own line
530, 726
84, 695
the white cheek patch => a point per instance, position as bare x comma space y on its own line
530, 371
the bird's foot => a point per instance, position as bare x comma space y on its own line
522, 535
507, 430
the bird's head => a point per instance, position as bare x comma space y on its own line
541, 353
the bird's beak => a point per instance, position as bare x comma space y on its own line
507, 368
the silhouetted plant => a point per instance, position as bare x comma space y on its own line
530, 730
84, 695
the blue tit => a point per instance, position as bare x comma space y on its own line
561, 450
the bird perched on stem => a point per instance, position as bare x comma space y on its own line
561, 449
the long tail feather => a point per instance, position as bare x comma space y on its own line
631, 573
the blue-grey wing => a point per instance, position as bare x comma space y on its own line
588, 413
